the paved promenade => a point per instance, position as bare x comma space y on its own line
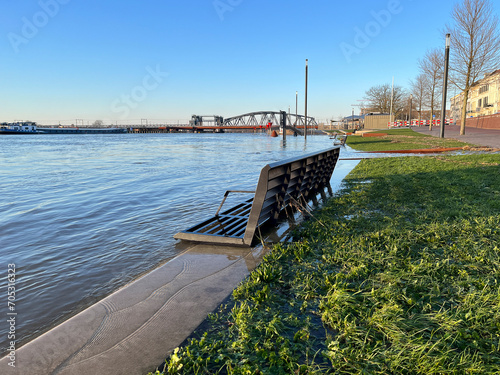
479, 137
133, 330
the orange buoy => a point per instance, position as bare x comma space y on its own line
274, 133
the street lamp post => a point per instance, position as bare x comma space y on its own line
296, 103
411, 102
445, 83
305, 112
392, 98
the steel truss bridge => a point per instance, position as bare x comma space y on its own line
257, 119
250, 121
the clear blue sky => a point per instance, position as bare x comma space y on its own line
165, 60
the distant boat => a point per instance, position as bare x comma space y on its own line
18, 128
29, 127
80, 130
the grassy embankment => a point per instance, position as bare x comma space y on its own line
400, 139
398, 273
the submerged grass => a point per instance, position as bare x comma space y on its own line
397, 274
400, 139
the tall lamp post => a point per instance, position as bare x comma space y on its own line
445, 83
305, 114
296, 103
411, 102
392, 98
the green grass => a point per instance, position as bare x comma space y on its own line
400, 139
399, 273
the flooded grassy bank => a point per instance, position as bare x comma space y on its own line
399, 273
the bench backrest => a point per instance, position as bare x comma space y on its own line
297, 179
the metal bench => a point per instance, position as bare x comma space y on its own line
293, 180
339, 141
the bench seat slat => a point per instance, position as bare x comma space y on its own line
221, 226
231, 228
239, 208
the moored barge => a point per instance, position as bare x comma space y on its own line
28, 127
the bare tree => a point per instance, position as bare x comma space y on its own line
379, 99
98, 123
404, 114
419, 91
432, 67
475, 43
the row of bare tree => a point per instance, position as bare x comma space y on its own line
475, 51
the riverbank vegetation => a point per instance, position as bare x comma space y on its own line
400, 139
398, 273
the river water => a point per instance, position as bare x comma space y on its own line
82, 215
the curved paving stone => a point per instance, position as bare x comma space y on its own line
137, 326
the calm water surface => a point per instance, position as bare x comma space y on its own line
82, 215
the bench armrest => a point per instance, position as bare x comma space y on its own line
226, 194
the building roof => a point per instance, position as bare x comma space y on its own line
487, 75
355, 117
377, 114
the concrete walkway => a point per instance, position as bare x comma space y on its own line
479, 137
132, 331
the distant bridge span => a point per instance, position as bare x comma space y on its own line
264, 117
248, 121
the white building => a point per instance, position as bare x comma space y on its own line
484, 98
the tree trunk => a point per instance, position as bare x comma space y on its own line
466, 95
464, 111
420, 108
433, 95
432, 114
